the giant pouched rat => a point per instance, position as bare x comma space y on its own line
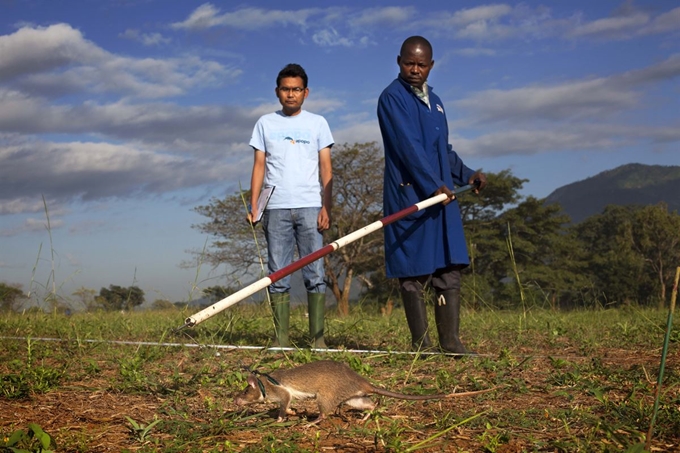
331, 383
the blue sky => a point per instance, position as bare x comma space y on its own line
123, 115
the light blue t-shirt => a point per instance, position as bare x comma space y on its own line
291, 145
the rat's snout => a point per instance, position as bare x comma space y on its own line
248, 396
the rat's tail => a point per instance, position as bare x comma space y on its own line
476, 392
435, 396
403, 396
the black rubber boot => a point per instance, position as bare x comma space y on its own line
316, 306
281, 308
416, 317
447, 318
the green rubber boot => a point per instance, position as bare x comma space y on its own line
447, 317
281, 308
316, 305
416, 317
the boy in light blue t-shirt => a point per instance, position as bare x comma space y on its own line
292, 149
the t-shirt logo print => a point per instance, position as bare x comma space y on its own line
294, 141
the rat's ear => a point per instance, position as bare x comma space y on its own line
252, 381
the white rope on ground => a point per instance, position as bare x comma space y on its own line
239, 347
290, 349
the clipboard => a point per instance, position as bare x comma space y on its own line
262, 201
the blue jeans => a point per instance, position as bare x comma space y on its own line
284, 229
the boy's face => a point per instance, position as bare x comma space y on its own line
292, 94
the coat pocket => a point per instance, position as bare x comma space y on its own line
407, 198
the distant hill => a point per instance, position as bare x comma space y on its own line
631, 184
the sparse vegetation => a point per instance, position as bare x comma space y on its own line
112, 378
566, 382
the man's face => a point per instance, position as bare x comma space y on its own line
415, 64
291, 93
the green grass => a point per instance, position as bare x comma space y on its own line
565, 381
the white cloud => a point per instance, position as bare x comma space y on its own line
151, 123
57, 60
205, 16
21, 204
87, 227
480, 14
669, 134
320, 104
31, 50
358, 132
90, 171
41, 224
570, 137
612, 26
570, 100
32, 225
148, 39
344, 26
494, 23
628, 23
208, 16
328, 27
485, 31
532, 141
666, 22
474, 52
573, 115
391, 15
330, 37
665, 70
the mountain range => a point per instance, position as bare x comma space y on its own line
630, 184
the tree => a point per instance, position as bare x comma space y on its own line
357, 193
217, 293
502, 190
512, 240
616, 269
235, 243
357, 187
485, 234
120, 298
541, 255
655, 235
86, 297
632, 252
10, 296
162, 304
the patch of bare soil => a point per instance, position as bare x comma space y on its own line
88, 416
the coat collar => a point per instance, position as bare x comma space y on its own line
408, 85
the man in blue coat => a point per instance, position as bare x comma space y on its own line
428, 246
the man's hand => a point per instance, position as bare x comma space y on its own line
251, 216
478, 180
443, 189
323, 221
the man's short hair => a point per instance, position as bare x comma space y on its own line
292, 70
416, 41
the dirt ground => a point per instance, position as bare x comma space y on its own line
91, 416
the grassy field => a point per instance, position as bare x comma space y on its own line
581, 381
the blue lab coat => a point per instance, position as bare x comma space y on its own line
419, 160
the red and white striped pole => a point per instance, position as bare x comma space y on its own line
251, 289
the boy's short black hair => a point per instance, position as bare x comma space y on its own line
292, 70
